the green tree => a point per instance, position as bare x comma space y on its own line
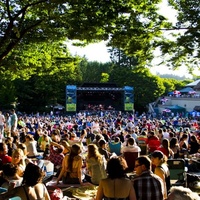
147, 87
92, 72
128, 24
104, 78
41, 58
49, 68
184, 49
169, 85
8, 94
118, 57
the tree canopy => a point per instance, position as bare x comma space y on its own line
128, 24
184, 48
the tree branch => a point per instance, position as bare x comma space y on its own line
23, 10
8, 10
16, 40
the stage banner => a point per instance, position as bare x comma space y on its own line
71, 99
128, 98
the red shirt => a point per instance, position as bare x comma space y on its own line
5, 159
165, 151
153, 143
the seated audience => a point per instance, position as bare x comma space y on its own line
131, 147
153, 142
56, 154
66, 146
4, 154
96, 165
18, 159
11, 176
44, 140
159, 160
103, 150
174, 145
147, 185
116, 186
193, 145
165, 148
183, 145
72, 166
32, 187
11, 146
31, 146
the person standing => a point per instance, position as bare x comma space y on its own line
147, 185
2, 120
14, 120
7, 125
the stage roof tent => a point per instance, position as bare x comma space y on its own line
186, 90
193, 83
99, 87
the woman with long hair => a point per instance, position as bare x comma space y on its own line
96, 165
165, 148
193, 145
174, 145
31, 146
116, 185
183, 145
72, 166
159, 160
18, 159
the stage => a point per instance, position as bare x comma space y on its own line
99, 97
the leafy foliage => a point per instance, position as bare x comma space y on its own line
184, 49
129, 25
93, 72
42, 58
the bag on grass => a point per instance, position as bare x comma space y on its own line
55, 193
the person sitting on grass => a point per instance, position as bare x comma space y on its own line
32, 187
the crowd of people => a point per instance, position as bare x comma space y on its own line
79, 148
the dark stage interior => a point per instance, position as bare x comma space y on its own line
100, 99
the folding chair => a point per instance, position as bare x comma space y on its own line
178, 169
130, 158
115, 147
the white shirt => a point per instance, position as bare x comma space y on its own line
2, 119
165, 135
130, 148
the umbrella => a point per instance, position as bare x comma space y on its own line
170, 93
177, 92
186, 90
166, 110
192, 92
